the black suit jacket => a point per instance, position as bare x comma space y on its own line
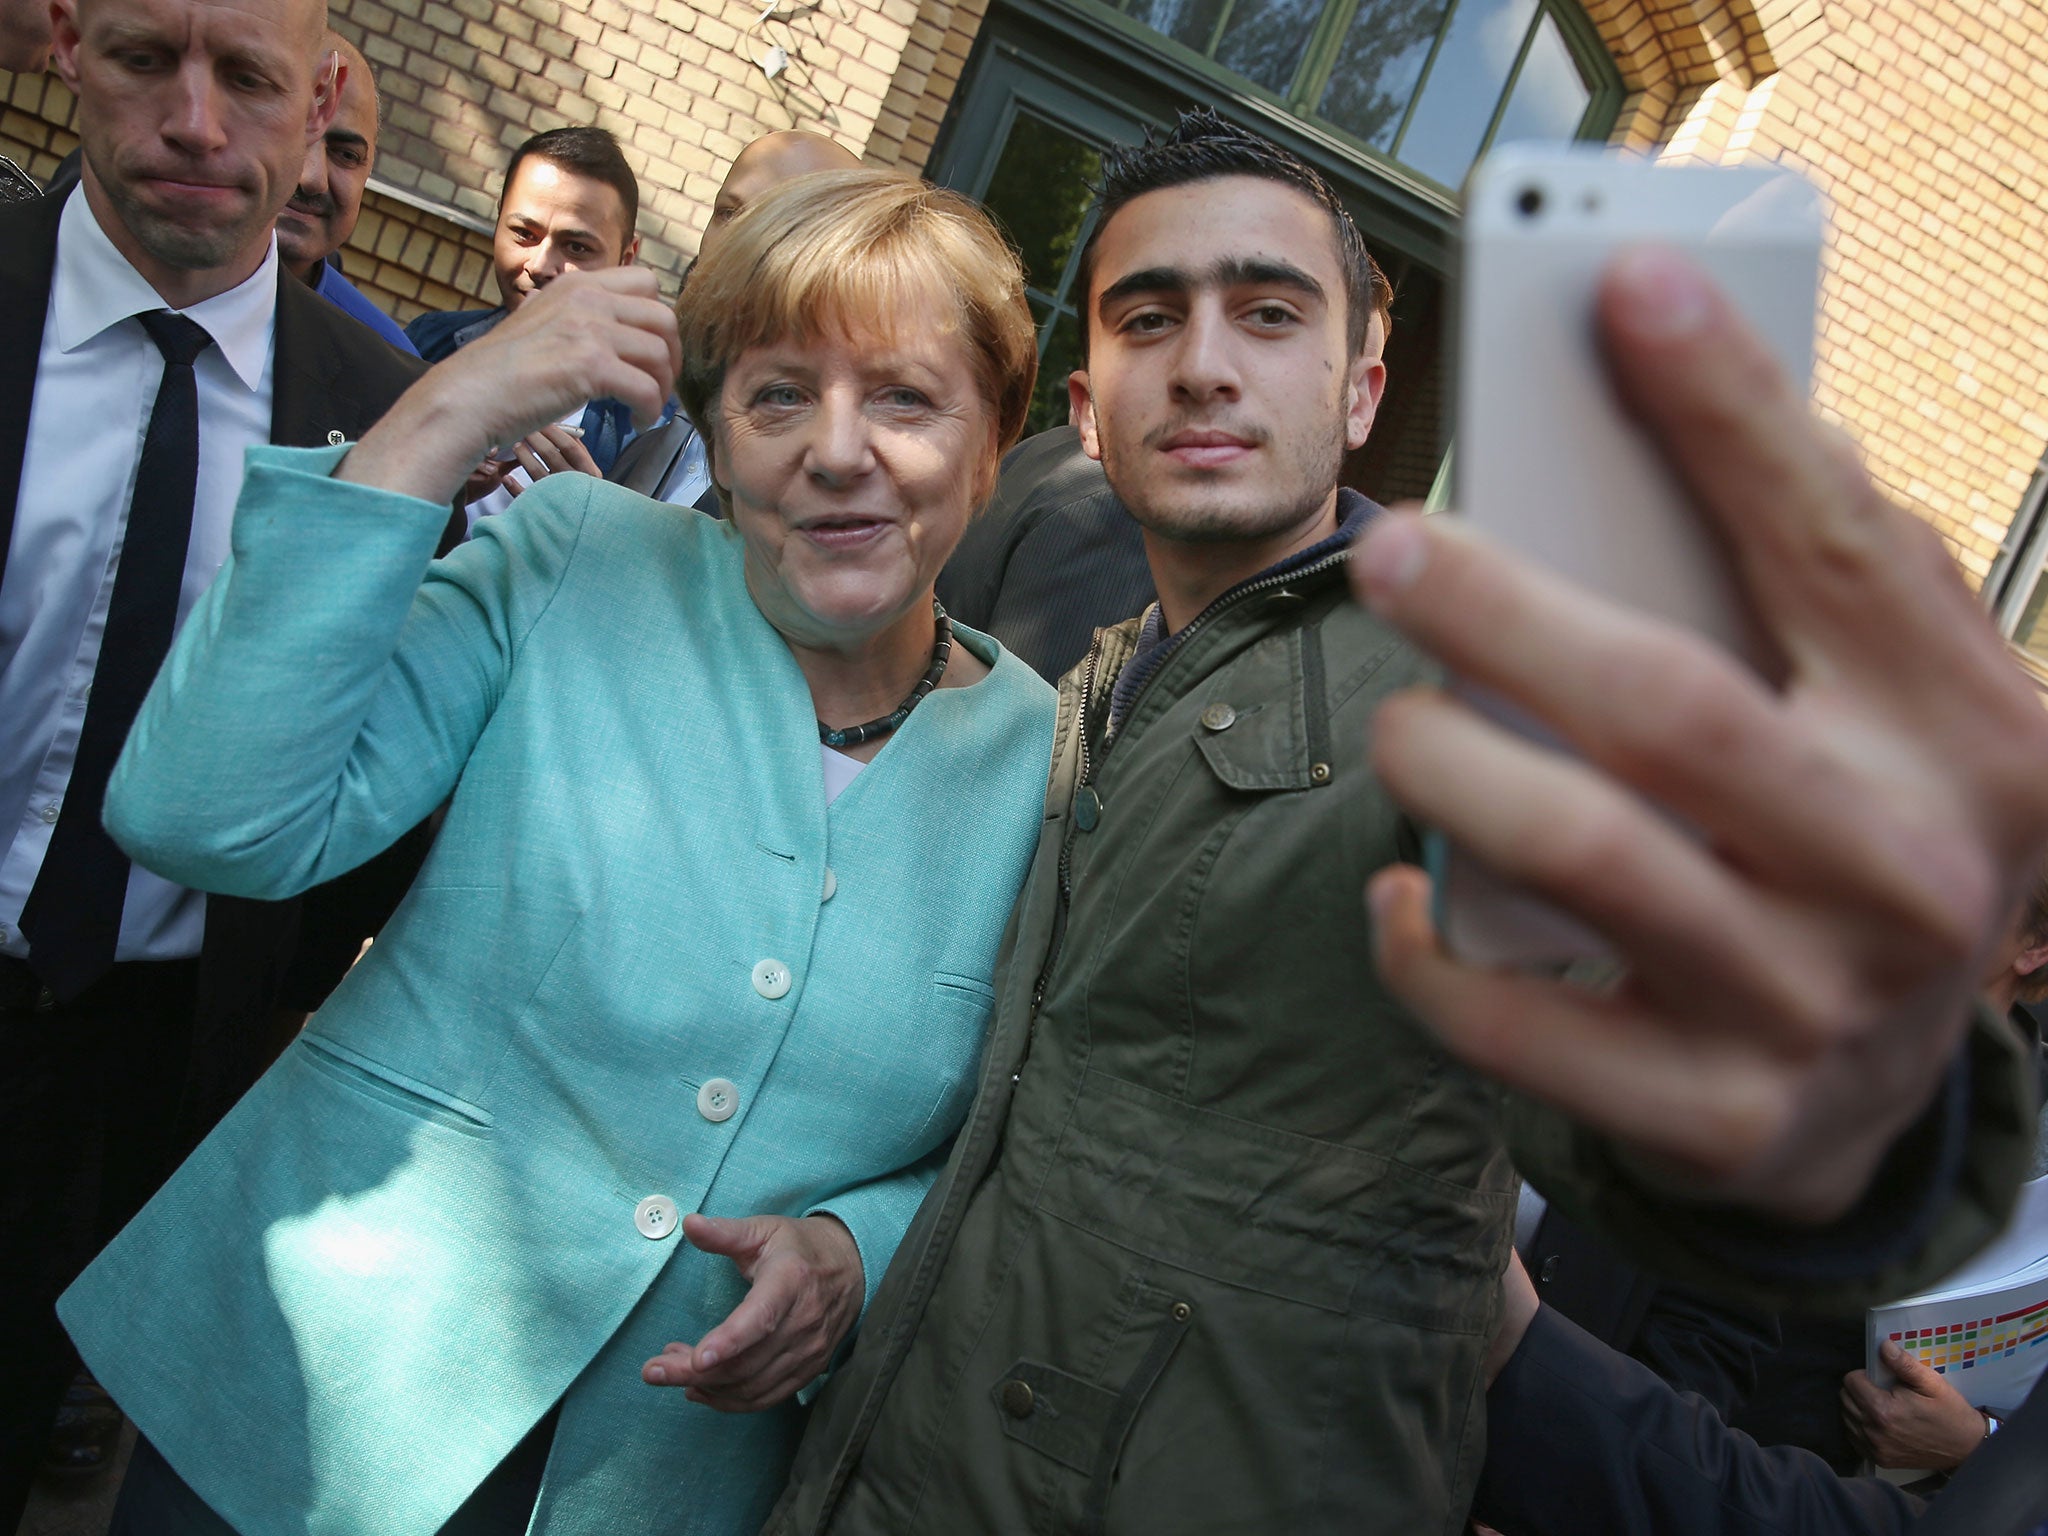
1583, 1441
332, 377
1694, 1341
1051, 559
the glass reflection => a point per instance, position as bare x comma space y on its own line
1059, 356
1265, 39
1550, 95
1040, 194
1191, 22
1378, 62
1464, 87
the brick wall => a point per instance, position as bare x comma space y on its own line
680, 84
1926, 122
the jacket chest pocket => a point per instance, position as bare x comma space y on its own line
1262, 724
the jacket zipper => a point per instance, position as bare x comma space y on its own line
1200, 621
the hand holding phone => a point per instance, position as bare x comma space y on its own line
1798, 979
1549, 464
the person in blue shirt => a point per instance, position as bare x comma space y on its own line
322, 214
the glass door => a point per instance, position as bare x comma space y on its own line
1032, 153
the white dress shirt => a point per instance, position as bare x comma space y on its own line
508, 489
96, 381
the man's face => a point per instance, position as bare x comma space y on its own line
195, 117
765, 165
1220, 392
322, 213
554, 221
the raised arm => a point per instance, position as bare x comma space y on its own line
291, 737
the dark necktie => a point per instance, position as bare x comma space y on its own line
605, 426
73, 915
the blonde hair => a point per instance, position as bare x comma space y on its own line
848, 252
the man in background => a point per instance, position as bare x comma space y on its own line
133, 1012
328, 200
668, 462
570, 204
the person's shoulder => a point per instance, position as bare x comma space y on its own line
338, 290
374, 368
621, 525
28, 237
433, 334
1047, 472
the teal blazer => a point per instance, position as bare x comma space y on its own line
644, 959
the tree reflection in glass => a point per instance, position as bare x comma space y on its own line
1189, 22
1377, 66
1040, 193
1265, 39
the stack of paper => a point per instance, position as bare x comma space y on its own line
1985, 1328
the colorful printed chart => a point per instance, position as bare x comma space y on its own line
1986, 1326
1960, 1346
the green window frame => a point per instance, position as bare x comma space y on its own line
1477, 54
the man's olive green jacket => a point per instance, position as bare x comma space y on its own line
1219, 1248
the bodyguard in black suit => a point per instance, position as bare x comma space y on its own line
113, 1064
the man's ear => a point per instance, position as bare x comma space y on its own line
2030, 959
631, 253
327, 83
1081, 411
1367, 381
64, 41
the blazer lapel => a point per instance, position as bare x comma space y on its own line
28, 258
309, 396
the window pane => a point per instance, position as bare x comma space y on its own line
1060, 357
1550, 96
1040, 193
1464, 87
2031, 633
1265, 39
1377, 65
1192, 22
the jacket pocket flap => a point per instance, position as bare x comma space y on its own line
1264, 748
1050, 1411
391, 1078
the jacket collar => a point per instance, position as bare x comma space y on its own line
95, 288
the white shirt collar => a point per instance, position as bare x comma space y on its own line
95, 287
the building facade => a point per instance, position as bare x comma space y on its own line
1920, 118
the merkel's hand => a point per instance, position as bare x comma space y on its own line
1800, 978
586, 335
807, 1281
1922, 1422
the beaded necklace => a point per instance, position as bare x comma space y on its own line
942, 650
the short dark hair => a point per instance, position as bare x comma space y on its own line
1202, 146
591, 152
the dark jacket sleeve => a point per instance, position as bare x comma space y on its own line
1695, 1342
1944, 1190
1582, 1441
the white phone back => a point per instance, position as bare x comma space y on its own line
1547, 464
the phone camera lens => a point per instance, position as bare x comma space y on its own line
1529, 202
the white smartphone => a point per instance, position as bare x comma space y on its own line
1547, 464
